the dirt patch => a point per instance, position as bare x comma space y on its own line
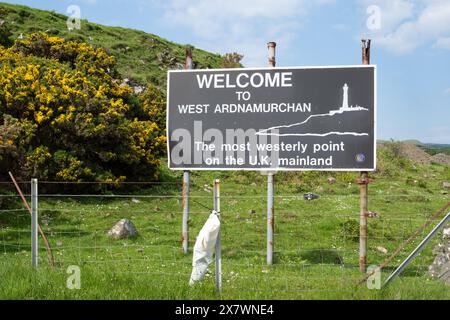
441, 158
415, 153
418, 155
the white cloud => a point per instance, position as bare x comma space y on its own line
443, 43
238, 25
212, 9
409, 24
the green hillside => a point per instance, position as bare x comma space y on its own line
433, 148
143, 58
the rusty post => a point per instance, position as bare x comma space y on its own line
189, 62
363, 191
270, 218
218, 254
270, 181
366, 51
186, 179
185, 226
363, 187
272, 61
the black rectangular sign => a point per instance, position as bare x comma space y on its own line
312, 118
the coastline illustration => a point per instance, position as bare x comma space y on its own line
293, 129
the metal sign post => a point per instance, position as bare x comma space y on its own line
363, 182
218, 253
270, 218
34, 224
185, 225
270, 182
186, 180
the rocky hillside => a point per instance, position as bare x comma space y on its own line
421, 153
142, 58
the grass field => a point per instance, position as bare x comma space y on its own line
316, 243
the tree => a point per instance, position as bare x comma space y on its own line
232, 60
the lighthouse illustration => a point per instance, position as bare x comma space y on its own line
345, 106
345, 100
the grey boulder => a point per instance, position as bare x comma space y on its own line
331, 180
310, 196
123, 229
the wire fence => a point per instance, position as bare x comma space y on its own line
315, 242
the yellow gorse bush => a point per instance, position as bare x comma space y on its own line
67, 117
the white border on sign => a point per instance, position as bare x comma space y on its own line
375, 120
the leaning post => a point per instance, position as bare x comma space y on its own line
186, 179
363, 182
270, 182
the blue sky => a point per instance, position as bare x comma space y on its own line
411, 43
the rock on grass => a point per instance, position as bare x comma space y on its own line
123, 229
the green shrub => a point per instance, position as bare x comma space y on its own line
65, 117
350, 229
231, 60
422, 184
390, 161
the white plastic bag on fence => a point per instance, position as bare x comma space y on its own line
204, 248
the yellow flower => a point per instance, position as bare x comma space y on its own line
39, 117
